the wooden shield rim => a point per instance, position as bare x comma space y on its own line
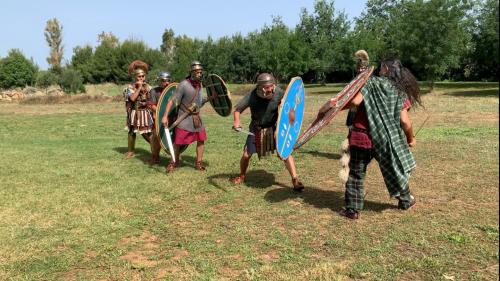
227, 91
327, 119
279, 113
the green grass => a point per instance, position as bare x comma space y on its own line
73, 209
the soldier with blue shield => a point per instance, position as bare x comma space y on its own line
263, 101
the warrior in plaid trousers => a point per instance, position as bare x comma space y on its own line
382, 130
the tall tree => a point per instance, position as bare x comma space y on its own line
168, 42
431, 35
485, 57
82, 61
53, 36
108, 38
325, 31
186, 50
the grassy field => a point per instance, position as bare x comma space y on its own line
73, 209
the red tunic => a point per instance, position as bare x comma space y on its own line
359, 135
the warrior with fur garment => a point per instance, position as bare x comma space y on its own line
362, 63
382, 130
136, 95
264, 101
191, 129
164, 79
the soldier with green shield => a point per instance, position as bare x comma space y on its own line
164, 79
190, 127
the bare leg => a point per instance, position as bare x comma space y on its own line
177, 152
199, 156
155, 149
244, 161
131, 146
199, 150
290, 166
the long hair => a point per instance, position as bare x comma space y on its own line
403, 80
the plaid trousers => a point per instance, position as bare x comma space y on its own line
354, 187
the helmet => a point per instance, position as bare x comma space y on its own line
195, 65
265, 79
164, 75
137, 67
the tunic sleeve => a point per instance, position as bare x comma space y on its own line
244, 103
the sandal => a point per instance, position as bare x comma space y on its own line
199, 166
129, 154
297, 185
237, 180
171, 167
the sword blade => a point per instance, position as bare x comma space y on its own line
169, 143
240, 130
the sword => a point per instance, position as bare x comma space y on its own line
421, 126
240, 130
169, 142
186, 114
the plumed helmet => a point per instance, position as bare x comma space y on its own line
265, 79
195, 65
362, 58
164, 75
137, 67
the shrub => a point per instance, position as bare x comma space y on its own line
46, 78
16, 70
72, 81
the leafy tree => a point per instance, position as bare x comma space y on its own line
186, 50
431, 35
485, 57
53, 36
16, 70
109, 38
325, 32
71, 81
105, 67
45, 79
168, 41
82, 61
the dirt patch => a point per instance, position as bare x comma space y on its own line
143, 247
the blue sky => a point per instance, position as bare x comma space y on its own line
23, 22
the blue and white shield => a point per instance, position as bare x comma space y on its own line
290, 116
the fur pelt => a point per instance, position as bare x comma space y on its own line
344, 161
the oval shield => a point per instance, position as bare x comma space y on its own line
218, 95
342, 99
290, 116
160, 110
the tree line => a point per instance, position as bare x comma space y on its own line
436, 39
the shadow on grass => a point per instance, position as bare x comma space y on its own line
477, 93
141, 154
254, 179
317, 153
145, 155
320, 198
